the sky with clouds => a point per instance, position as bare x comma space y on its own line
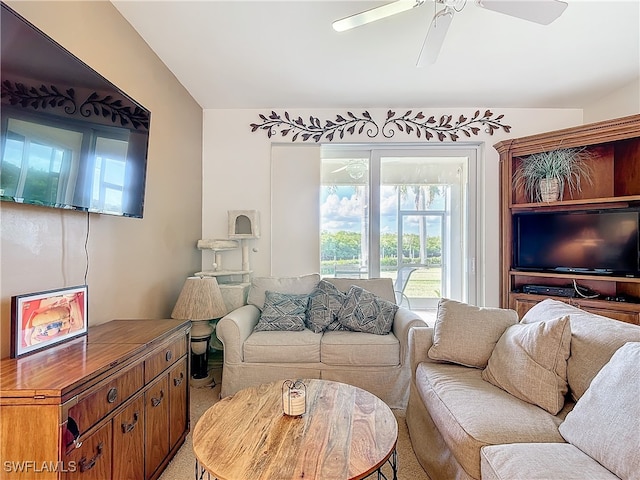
341, 209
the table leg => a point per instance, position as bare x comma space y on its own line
393, 463
200, 472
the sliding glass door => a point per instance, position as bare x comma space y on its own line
403, 214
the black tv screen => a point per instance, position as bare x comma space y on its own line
599, 242
69, 138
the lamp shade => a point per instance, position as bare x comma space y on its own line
200, 299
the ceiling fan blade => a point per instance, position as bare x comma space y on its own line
435, 36
374, 14
539, 11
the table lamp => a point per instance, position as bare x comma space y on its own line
200, 301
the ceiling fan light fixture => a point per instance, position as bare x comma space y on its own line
374, 14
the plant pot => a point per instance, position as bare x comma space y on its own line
549, 190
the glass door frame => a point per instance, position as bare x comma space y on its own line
471, 192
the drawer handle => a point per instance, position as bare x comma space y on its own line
88, 465
155, 401
168, 355
112, 395
178, 381
127, 427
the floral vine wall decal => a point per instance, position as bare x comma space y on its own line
443, 128
314, 129
42, 97
113, 107
424, 127
54, 97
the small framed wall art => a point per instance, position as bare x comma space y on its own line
41, 320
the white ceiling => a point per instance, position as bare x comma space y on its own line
284, 54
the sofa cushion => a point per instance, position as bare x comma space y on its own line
605, 422
324, 304
363, 311
530, 362
467, 334
382, 287
299, 285
594, 339
283, 311
471, 413
357, 348
540, 461
282, 347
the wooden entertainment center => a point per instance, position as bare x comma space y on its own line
615, 166
113, 404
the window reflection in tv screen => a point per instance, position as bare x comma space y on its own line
605, 242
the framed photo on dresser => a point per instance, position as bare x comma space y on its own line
43, 319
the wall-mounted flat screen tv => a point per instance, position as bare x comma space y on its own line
597, 242
70, 138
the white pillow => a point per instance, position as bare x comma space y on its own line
302, 285
466, 334
530, 362
605, 422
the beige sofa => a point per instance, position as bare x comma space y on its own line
376, 363
463, 426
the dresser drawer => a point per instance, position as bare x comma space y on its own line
109, 395
92, 460
128, 441
164, 356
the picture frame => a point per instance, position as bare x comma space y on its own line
44, 319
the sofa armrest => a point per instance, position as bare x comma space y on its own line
420, 341
234, 328
404, 320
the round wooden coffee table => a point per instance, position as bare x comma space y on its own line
347, 433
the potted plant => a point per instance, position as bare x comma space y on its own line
544, 175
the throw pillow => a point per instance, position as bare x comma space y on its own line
530, 362
324, 304
298, 285
363, 311
605, 422
282, 311
466, 334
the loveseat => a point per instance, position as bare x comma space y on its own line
555, 395
322, 348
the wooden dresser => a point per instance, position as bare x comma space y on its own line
111, 405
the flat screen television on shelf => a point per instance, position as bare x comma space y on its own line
594, 242
69, 138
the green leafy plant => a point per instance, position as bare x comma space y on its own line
568, 166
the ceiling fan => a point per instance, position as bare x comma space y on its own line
539, 11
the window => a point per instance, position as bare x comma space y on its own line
400, 213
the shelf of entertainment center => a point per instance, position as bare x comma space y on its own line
624, 311
579, 204
571, 276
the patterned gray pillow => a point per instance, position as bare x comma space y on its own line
282, 311
324, 304
364, 311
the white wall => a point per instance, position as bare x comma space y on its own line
619, 103
237, 168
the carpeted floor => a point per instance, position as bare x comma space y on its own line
182, 467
